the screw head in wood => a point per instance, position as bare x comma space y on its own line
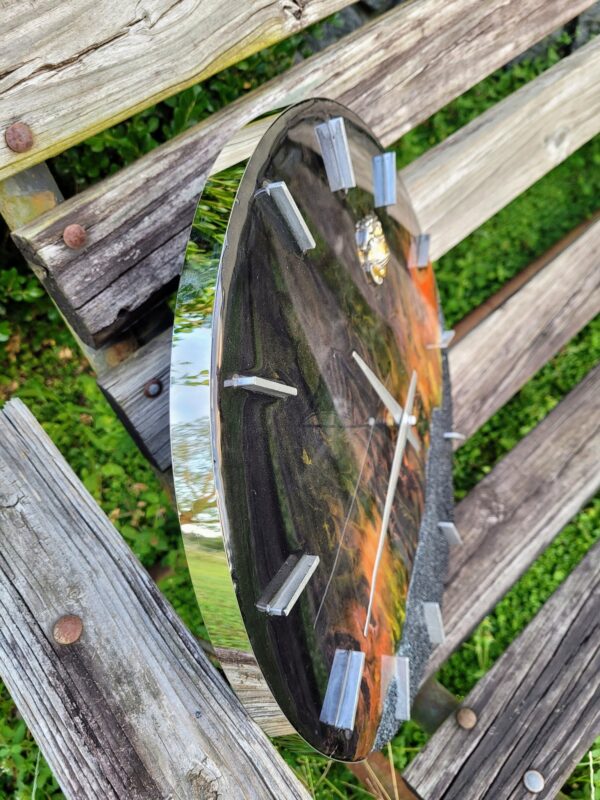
153, 388
466, 718
74, 236
68, 629
534, 781
19, 137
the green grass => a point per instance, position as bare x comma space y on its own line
39, 362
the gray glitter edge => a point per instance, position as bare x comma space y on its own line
431, 559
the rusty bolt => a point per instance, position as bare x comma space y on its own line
466, 718
153, 388
68, 629
74, 236
19, 137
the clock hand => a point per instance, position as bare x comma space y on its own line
386, 398
391, 490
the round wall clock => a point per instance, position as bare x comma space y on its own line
311, 436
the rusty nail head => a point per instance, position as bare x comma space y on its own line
74, 236
466, 718
19, 137
68, 629
153, 388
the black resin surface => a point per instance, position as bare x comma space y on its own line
309, 474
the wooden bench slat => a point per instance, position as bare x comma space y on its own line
126, 57
488, 365
458, 185
491, 363
538, 707
134, 710
513, 514
144, 414
395, 72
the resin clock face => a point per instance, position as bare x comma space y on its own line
324, 374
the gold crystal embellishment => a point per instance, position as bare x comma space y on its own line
372, 248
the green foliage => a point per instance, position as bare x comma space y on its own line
526, 409
17, 287
476, 100
109, 151
40, 363
20, 764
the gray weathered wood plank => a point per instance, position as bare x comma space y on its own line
120, 57
491, 363
25, 196
538, 707
488, 365
144, 413
458, 185
395, 72
133, 710
513, 514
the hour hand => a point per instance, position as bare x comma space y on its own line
386, 398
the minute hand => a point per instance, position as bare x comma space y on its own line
391, 490
385, 396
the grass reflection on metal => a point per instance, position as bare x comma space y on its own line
190, 418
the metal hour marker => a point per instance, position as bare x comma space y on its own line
384, 179
286, 586
445, 340
460, 437
450, 530
343, 690
434, 622
286, 205
336, 154
419, 251
261, 385
398, 667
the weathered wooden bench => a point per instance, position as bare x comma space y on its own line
133, 708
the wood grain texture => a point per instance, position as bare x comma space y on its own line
504, 350
513, 514
394, 72
134, 710
458, 185
512, 286
145, 416
488, 365
68, 81
538, 707
25, 196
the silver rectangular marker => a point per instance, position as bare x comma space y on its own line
284, 589
419, 251
253, 383
459, 437
445, 340
402, 688
286, 205
451, 533
384, 179
434, 622
336, 154
343, 689
397, 668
